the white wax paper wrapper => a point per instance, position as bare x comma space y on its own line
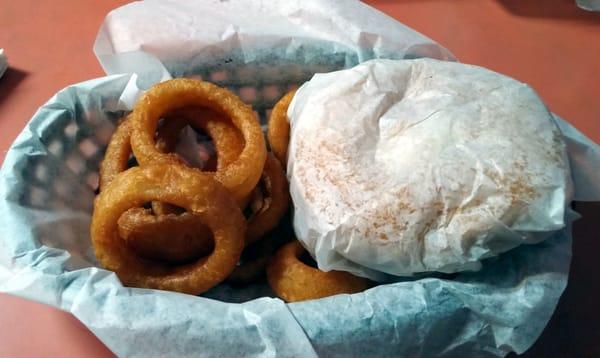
411, 166
236, 41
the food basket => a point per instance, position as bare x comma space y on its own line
47, 187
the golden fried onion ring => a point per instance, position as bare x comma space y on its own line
142, 230
117, 153
292, 280
273, 205
278, 131
172, 238
176, 184
269, 203
241, 176
227, 140
165, 236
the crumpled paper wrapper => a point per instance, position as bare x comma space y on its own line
48, 179
404, 167
278, 42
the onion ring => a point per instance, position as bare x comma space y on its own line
226, 138
241, 176
267, 213
176, 184
171, 238
117, 153
293, 281
272, 208
147, 234
171, 135
143, 231
278, 131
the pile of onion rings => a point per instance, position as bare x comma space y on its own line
166, 224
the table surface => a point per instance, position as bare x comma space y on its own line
550, 44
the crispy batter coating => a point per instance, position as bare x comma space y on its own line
173, 238
117, 153
278, 131
271, 202
292, 280
241, 176
176, 184
227, 139
185, 234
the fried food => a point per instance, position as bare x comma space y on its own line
292, 280
228, 141
193, 237
117, 153
278, 131
226, 138
185, 234
173, 238
270, 202
176, 184
146, 233
143, 231
241, 176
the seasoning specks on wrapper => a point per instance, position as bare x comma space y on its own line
47, 189
406, 167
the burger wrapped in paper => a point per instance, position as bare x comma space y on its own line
403, 167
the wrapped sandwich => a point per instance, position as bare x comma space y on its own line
403, 167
